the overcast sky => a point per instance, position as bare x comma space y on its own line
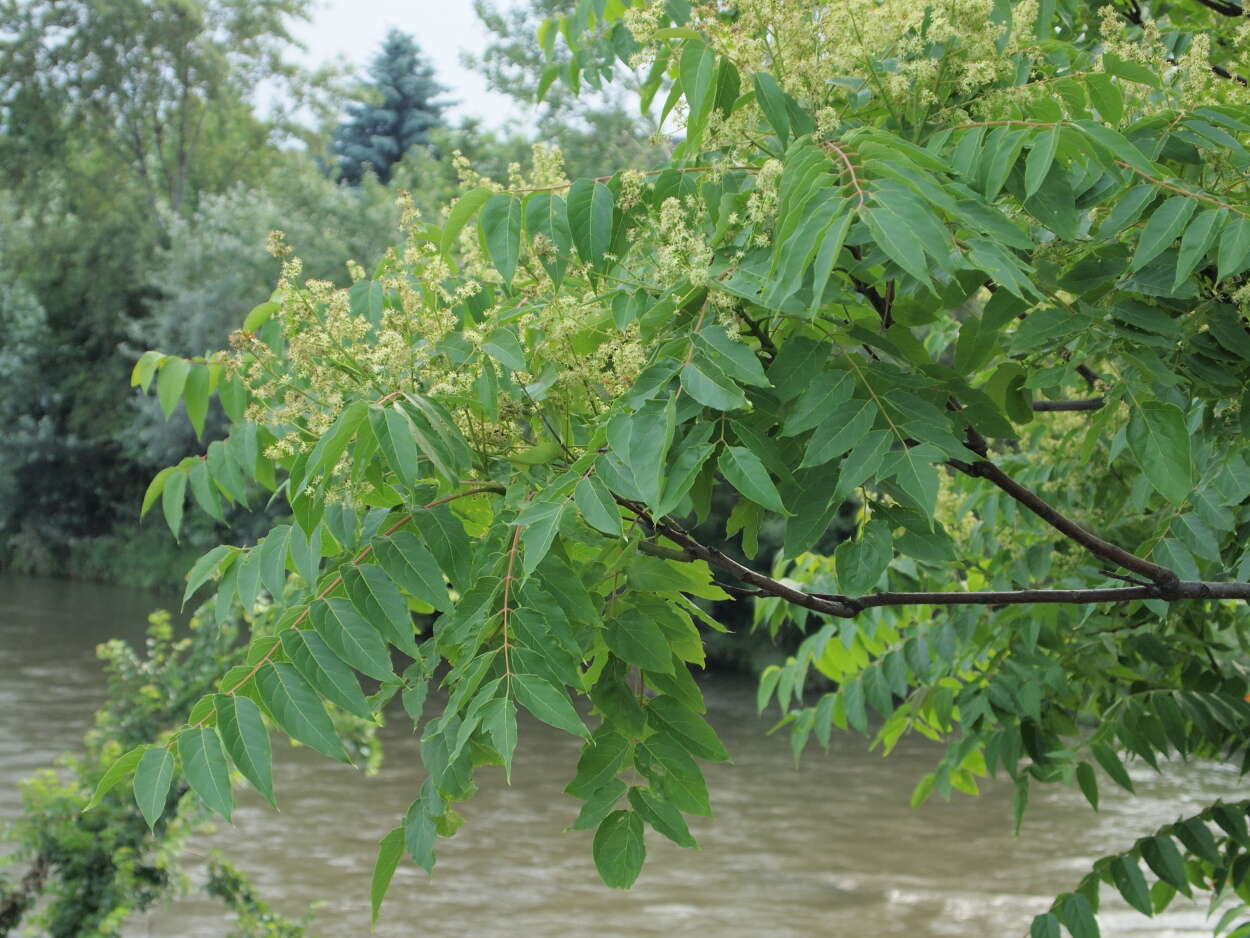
354, 29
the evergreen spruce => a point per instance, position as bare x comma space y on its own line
400, 113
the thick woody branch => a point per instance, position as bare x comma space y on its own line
1083, 403
1162, 577
847, 607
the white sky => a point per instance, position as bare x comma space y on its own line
354, 30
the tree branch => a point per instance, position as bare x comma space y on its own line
1166, 580
1165, 586
1082, 403
1223, 8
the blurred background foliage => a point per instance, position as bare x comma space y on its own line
147, 149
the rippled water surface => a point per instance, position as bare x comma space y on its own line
829, 849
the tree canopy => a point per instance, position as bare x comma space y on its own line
401, 110
978, 268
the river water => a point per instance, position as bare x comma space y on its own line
829, 849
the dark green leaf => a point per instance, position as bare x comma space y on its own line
591, 216
635, 637
153, 776
247, 741
390, 852
690, 729
121, 769
204, 765
296, 708
1159, 441
595, 503
745, 472
619, 849
352, 638
325, 671
547, 702
410, 564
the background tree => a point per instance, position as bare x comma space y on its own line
600, 131
980, 269
399, 110
117, 117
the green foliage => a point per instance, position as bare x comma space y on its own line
400, 110
962, 270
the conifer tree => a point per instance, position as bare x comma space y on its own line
401, 110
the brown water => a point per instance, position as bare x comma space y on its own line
829, 849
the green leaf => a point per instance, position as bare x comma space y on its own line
380, 602
503, 346
500, 226
696, 71
912, 469
1076, 914
173, 500
390, 852
1088, 781
1045, 926
619, 849
352, 638
1166, 861
247, 741
394, 433
1159, 441
325, 671
547, 702
260, 315
772, 101
204, 765
602, 757
297, 709
170, 383
595, 503
204, 491
668, 766
155, 488
153, 776
734, 358
465, 208
861, 563
827, 389
598, 806
204, 569
591, 216
1128, 879
410, 564
1041, 156
895, 236
1196, 242
690, 729
119, 771
636, 638
745, 472
1112, 765
1234, 246
662, 816
145, 369
271, 560
1164, 227
547, 216
1105, 97
843, 428
499, 720
710, 386
195, 395
540, 522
